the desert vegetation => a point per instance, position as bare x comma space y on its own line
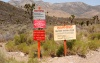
85, 41
16, 29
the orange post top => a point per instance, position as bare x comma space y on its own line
39, 7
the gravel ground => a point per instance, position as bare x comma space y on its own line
91, 57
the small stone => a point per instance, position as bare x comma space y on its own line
55, 57
22, 54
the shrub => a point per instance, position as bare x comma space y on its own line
23, 38
18, 39
95, 36
80, 48
33, 50
50, 48
70, 44
29, 41
60, 51
23, 48
10, 46
94, 45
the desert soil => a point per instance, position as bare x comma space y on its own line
91, 57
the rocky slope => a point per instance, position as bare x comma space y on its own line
11, 18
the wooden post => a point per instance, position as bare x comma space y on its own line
65, 48
38, 49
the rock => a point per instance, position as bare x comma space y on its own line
55, 57
22, 54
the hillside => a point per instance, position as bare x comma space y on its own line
10, 13
66, 9
10, 20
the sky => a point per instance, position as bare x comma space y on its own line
90, 2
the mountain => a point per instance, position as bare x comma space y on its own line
66, 9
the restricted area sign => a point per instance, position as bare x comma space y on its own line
67, 32
38, 14
39, 24
39, 35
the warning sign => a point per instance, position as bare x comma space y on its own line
67, 32
39, 14
39, 24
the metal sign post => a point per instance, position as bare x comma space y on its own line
39, 49
39, 23
65, 47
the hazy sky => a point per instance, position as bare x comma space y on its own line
90, 2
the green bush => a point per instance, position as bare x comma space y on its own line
80, 48
33, 50
29, 41
70, 44
10, 46
94, 45
73, 47
21, 42
18, 39
23, 38
50, 48
95, 36
23, 48
60, 51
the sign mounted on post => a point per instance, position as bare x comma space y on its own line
39, 24
67, 32
39, 35
39, 18
39, 14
